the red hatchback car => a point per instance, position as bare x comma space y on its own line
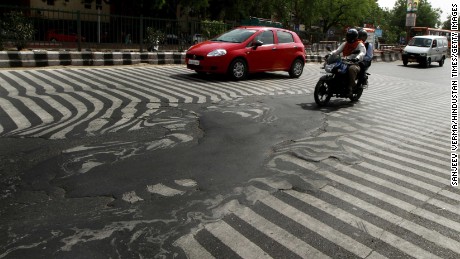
53, 36
249, 49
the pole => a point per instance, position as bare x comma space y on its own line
79, 30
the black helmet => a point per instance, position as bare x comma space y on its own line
362, 34
352, 35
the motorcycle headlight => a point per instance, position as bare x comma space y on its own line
217, 53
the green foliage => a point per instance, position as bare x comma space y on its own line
153, 37
211, 29
17, 29
446, 25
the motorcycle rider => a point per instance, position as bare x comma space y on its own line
367, 60
347, 48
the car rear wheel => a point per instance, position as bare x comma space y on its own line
238, 69
296, 68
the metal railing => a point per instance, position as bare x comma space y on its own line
57, 29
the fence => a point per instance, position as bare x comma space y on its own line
57, 29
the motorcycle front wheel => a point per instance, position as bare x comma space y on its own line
322, 94
356, 95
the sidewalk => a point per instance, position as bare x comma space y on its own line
44, 58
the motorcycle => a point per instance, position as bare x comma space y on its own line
333, 83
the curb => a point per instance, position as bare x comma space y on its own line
42, 58
76, 58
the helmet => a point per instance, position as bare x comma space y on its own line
362, 34
352, 35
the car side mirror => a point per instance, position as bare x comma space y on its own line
256, 44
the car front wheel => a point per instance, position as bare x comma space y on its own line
238, 69
296, 68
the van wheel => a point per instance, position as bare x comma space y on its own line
441, 62
428, 63
405, 62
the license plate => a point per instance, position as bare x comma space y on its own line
412, 59
193, 62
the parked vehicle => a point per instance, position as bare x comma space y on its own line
334, 82
426, 49
249, 49
54, 35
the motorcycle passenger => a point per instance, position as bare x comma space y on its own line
367, 60
352, 43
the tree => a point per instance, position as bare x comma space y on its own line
447, 24
16, 28
343, 13
427, 16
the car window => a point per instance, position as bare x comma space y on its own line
266, 37
236, 36
284, 37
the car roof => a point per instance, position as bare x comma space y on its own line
430, 36
253, 27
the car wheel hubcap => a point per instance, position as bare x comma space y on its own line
298, 68
238, 69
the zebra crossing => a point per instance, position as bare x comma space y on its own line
378, 186
63, 103
373, 183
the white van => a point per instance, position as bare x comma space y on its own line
426, 49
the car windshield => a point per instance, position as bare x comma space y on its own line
420, 42
236, 36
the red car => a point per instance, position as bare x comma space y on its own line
53, 35
249, 49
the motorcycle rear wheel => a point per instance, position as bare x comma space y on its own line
322, 94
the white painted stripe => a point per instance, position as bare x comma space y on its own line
404, 160
317, 226
16, 116
422, 232
372, 230
409, 137
400, 166
381, 196
77, 120
119, 86
97, 123
178, 85
31, 90
403, 190
192, 248
395, 147
235, 241
139, 83
278, 234
408, 145
413, 181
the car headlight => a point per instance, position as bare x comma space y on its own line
405, 52
217, 53
423, 54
